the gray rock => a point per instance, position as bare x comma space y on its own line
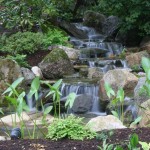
9, 72
105, 123
110, 26
134, 60
118, 78
93, 19
144, 112
56, 64
82, 103
27, 74
140, 96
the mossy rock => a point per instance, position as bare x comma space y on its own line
56, 64
9, 72
55, 55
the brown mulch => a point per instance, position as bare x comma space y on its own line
119, 136
36, 58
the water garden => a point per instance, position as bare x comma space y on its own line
74, 75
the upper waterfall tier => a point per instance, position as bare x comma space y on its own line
96, 43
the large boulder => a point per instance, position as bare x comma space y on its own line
145, 44
94, 73
140, 95
93, 19
134, 60
110, 27
105, 123
9, 72
144, 112
118, 78
73, 30
56, 64
72, 53
82, 103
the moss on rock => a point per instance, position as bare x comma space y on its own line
55, 55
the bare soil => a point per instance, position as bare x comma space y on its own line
120, 136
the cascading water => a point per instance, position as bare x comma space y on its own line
87, 89
95, 43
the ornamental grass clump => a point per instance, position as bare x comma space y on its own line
71, 127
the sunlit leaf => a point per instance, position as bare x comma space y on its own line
120, 94
115, 114
137, 120
13, 86
145, 63
47, 110
70, 100
109, 90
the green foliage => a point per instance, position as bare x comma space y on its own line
104, 135
70, 127
146, 67
106, 146
20, 59
55, 37
145, 146
133, 13
54, 90
117, 99
133, 143
22, 43
26, 14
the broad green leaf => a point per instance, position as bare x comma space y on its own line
145, 145
70, 100
57, 84
47, 110
1, 111
35, 85
115, 114
137, 120
120, 95
13, 86
109, 90
114, 101
134, 140
13, 101
50, 93
145, 64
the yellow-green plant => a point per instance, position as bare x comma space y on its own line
117, 100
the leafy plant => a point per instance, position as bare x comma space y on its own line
55, 37
26, 15
106, 146
133, 18
23, 43
17, 100
133, 143
117, 99
54, 90
104, 135
145, 146
71, 127
146, 67
20, 59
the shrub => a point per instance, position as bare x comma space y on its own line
22, 43
20, 59
70, 127
54, 37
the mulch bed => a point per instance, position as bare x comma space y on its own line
119, 136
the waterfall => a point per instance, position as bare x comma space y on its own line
95, 42
84, 88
